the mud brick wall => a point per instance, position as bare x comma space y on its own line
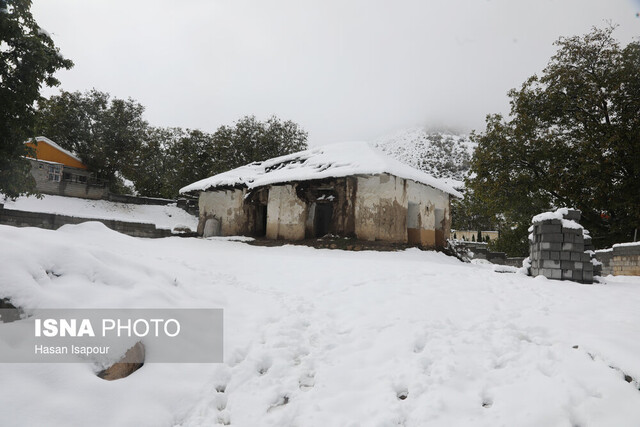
626, 260
558, 252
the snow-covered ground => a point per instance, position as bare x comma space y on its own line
162, 216
318, 337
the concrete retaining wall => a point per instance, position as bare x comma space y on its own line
54, 221
137, 200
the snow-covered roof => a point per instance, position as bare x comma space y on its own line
42, 161
624, 245
56, 146
328, 161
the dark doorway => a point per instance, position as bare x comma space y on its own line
322, 218
261, 220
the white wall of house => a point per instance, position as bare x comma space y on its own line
286, 213
380, 209
224, 206
386, 208
383, 212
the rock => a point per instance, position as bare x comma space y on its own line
9, 312
132, 360
181, 229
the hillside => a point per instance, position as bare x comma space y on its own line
440, 154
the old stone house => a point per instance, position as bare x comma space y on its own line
60, 172
350, 189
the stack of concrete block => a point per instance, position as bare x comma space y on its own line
559, 247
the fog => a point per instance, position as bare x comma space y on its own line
343, 70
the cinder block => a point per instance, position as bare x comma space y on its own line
566, 265
578, 265
577, 247
585, 257
545, 254
556, 237
548, 263
549, 246
552, 273
587, 276
533, 271
549, 228
577, 274
578, 239
587, 267
573, 215
552, 222
568, 238
567, 274
574, 231
555, 255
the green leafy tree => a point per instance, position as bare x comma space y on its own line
151, 165
572, 139
251, 140
471, 213
106, 133
171, 158
28, 59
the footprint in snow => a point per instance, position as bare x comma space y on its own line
419, 345
264, 365
307, 381
402, 395
281, 401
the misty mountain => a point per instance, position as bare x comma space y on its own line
441, 154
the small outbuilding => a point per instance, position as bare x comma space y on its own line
60, 172
350, 189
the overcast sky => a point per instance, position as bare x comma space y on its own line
343, 70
